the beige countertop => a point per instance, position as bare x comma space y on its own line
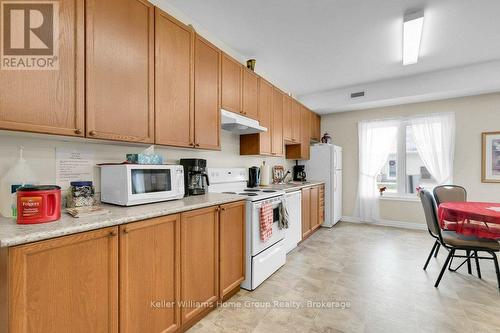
14, 234
293, 186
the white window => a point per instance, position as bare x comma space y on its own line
405, 169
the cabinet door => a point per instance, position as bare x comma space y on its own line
306, 212
199, 261
287, 118
67, 284
207, 101
314, 210
50, 101
174, 115
315, 123
277, 123
305, 138
231, 84
321, 204
265, 115
120, 70
150, 275
250, 93
296, 116
232, 247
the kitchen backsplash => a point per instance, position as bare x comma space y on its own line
40, 153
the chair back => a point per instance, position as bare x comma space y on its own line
429, 205
449, 193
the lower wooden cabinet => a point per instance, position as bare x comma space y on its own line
232, 247
312, 209
199, 261
150, 275
157, 275
306, 212
67, 284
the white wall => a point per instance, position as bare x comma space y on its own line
474, 115
39, 151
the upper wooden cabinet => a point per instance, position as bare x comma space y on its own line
120, 70
150, 272
50, 101
231, 84
207, 95
301, 151
260, 144
199, 261
174, 107
250, 82
315, 123
295, 115
277, 123
232, 247
287, 119
66, 284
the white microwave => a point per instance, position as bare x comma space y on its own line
135, 184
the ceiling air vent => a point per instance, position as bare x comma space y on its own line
358, 94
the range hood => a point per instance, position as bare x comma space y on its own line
239, 124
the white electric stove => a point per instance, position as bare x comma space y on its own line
263, 258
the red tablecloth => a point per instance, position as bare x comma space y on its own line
481, 219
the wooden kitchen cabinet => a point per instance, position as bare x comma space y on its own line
250, 85
277, 143
231, 84
315, 123
199, 262
301, 151
314, 208
50, 101
150, 275
306, 212
207, 125
120, 70
260, 143
66, 284
296, 117
287, 119
321, 204
174, 81
232, 248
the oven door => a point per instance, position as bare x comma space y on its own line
278, 234
150, 183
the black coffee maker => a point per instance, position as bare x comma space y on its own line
253, 176
299, 175
195, 176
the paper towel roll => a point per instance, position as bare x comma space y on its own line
265, 174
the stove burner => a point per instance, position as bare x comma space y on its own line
248, 194
251, 190
268, 191
229, 192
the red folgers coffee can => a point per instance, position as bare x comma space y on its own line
38, 204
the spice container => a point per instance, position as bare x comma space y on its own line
80, 194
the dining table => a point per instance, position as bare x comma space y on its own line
480, 219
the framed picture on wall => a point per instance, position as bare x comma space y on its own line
491, 157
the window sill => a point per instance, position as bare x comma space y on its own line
393, 197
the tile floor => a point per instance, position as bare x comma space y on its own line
371, 280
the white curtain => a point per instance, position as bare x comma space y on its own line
375, 141
434, 136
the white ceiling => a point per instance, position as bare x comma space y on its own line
319, 46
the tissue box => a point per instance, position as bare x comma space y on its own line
145, 158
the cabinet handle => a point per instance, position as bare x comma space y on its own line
112, 233
223, 209
191, 144
196, 144
125, 230
78, 131
92, 133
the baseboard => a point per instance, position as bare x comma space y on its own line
387, 223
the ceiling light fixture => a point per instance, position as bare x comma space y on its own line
413, 24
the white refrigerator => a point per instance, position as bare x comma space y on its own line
325, 164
